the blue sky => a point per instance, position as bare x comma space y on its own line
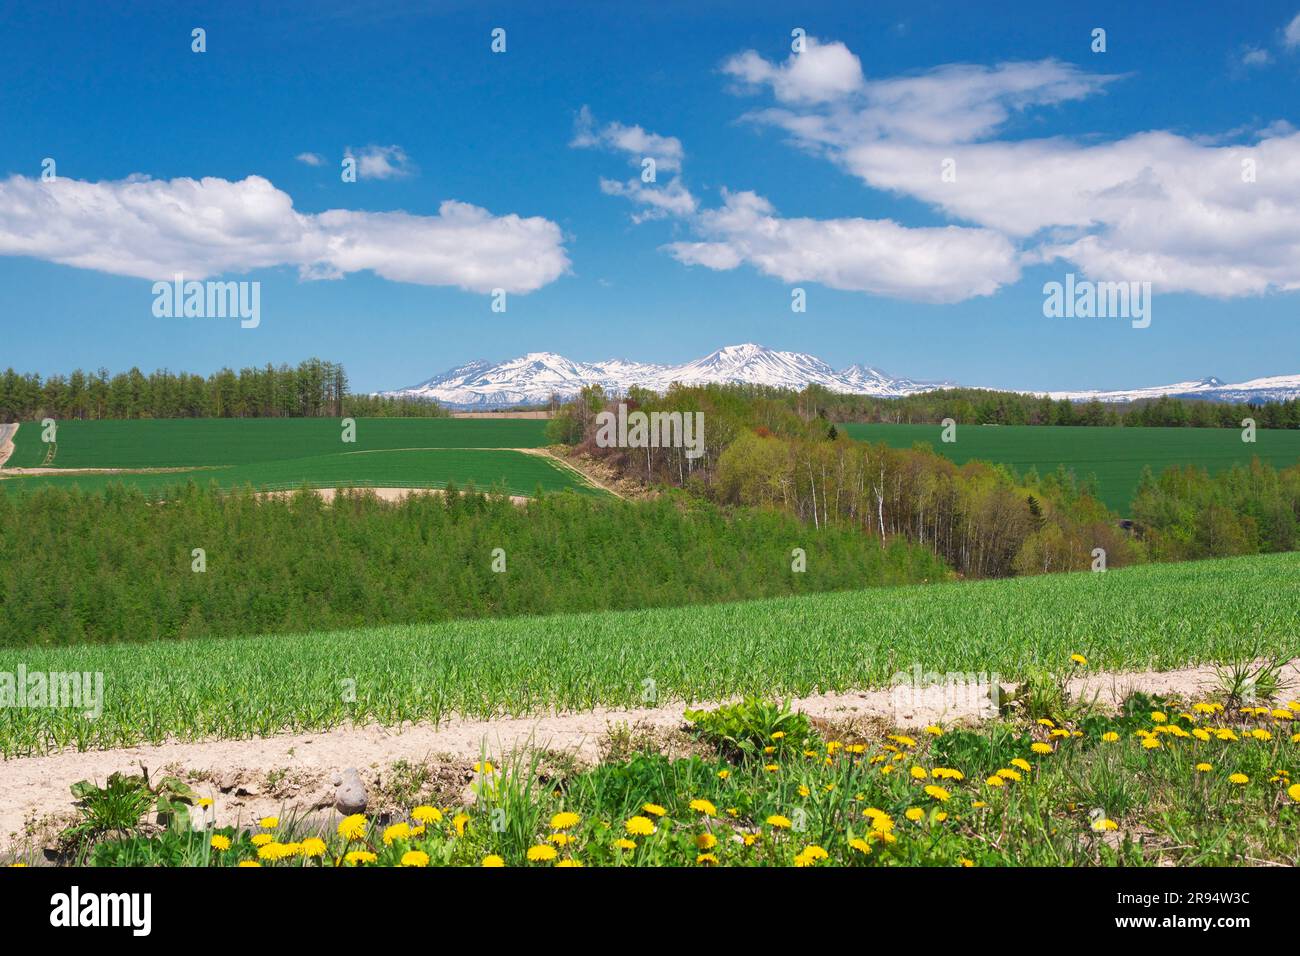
112, 93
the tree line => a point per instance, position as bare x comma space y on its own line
983, 519
968, 406
313, 388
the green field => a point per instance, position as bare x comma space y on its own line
518, 473
288, 452
186, 442
1116, 456
1158, 616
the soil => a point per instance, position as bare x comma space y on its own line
7, 433
290, 774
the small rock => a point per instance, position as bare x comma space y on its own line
349, 793
227, 781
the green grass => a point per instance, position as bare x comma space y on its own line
187, 442
1115, 456
517, 472
1159, 616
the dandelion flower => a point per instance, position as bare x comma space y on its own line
1078, 659
706, 859
1293, 792
1022, 763
398, 831
492, 860
204, 802
1204, 767
623, 843
938, 793
861, 845
220, 843
654, 809
640, 826
565, 820
1239, 779
269, 823
705, 807
1102, 824
778, 821
262, 839
426, 815
313, 847
542, 853
249, 863
415, 858
1040, 748
353, 827
914, 814
706, 841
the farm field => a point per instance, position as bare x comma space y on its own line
1115, 455
286, 453
517, 472
190, 442
1153, 616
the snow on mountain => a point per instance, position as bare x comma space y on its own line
533, 378
1275, 388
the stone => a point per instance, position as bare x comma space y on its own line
350, 793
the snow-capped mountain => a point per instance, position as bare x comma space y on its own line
1274, 388
533, 378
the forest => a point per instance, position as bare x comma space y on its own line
314, 388
983, 519
113, 566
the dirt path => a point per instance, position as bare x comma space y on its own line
7, 433
291, 772
383, 494
585, 478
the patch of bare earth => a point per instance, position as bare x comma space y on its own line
290, 775
383, 494
7, 433
602, 475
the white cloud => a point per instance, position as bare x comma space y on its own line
311, 159
1291, 36
1151, 206
945, 264
657, 202
380, 162
822, 72
153, 229
674, 199
1256, 56
634, 141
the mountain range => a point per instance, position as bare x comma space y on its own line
533, 378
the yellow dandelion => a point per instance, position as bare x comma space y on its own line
426, 815
353, 827
415, 858
492, 861
639, 826
220, 843
541, 853
565, 820
778, 821
654, 810
705, 807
